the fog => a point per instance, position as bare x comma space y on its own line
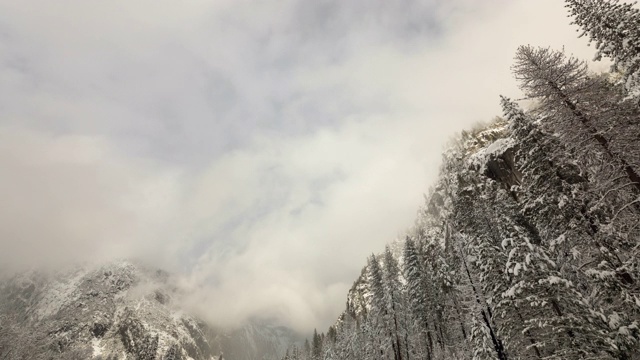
259, 150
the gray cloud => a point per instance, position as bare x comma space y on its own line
259, 149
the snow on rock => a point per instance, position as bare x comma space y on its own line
497, 161
112, 311
97, 347
118, 311
58, 293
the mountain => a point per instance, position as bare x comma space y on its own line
525, 248
528, 244
118, 311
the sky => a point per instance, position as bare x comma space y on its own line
259, 150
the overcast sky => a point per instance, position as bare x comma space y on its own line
259, 149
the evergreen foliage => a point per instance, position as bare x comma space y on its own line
614, 27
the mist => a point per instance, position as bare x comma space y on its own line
258, 150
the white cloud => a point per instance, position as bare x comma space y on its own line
260, 150
70, 195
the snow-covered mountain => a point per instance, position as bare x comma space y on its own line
117, 311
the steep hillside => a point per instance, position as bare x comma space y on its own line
527, 246
117, 311
111, 312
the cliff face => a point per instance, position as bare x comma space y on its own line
111, 312
117, 311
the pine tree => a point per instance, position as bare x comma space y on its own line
615, 29
574, 103
316, 346
295, 353
483, 275
306, 353
382, 335
545, 271
562, 86
395, 305
415, 276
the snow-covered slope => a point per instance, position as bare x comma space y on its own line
116, 311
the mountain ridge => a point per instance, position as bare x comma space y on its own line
115, 311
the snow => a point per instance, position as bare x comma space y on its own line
614, 320
499, 146
513, 290
58, 294
554, 280
624, 331
575, 253
97, 347
479, 159
516, 269
510, 293
562, 201
600, 274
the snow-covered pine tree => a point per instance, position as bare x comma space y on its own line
306, 350
394, 300
419, 308
614, 27
547, 181
316, 346
483, 335
445, 282
482, 262
372, 343
381, 332
588, 116
562, 85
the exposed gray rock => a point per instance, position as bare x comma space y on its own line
117, 311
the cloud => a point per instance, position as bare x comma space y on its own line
72, 196
259, 150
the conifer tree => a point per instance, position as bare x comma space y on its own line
395, 305
382, 335
615, 29
316, 346
482, 262
415, 276
307, 349
563, 86
549, 178
574, 102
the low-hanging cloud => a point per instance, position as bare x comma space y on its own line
260, 150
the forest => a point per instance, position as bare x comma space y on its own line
528, 244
